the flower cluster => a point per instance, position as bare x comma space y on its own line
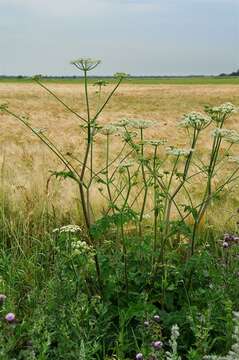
156, 345
122, 123
139, 356
121, 75
195, 120
100, 83
171, 150
155, 142
68, 229
140, 123
231, 136
80, 247
109, 129
85, 64
229, 240
10, 317
219, 113
173, 355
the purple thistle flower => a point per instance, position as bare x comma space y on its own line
156, 318
157, 345
139, 356
225, 244
230, 237
2, 298
10, 317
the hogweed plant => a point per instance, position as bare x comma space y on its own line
146, 181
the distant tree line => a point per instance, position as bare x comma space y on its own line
71, 77
234, 73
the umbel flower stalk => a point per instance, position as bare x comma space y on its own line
90, 120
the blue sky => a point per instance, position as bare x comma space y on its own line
140, 37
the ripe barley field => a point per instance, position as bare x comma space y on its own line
26, 163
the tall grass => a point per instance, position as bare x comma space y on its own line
139, 251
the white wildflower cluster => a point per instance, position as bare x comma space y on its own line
109, 129
140, 123
85, 64
234, 352
195, 120
122, 122
80, 247
173, 355
68, 229
155, 142
231, 136
178, 152
219, 113
121, 75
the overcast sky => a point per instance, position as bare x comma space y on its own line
150, 37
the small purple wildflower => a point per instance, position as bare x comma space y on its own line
231, 238
225, 244
10, 317
157, 345
139, 356
2, 298
156, 318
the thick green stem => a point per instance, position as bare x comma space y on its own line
145, 183
107, 175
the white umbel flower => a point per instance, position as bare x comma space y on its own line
231, 136
85, 64
140, 123
220, 113
178, 152
195, 120
109, 129
68, 229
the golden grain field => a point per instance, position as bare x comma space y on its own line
25, 163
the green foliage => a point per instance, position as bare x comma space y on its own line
141, 278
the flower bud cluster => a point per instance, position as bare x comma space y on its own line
219, 113
109, 129
156, 345
229, 240
80, 247
85, 64
178, 152
68, 229
195, 120
231, 136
